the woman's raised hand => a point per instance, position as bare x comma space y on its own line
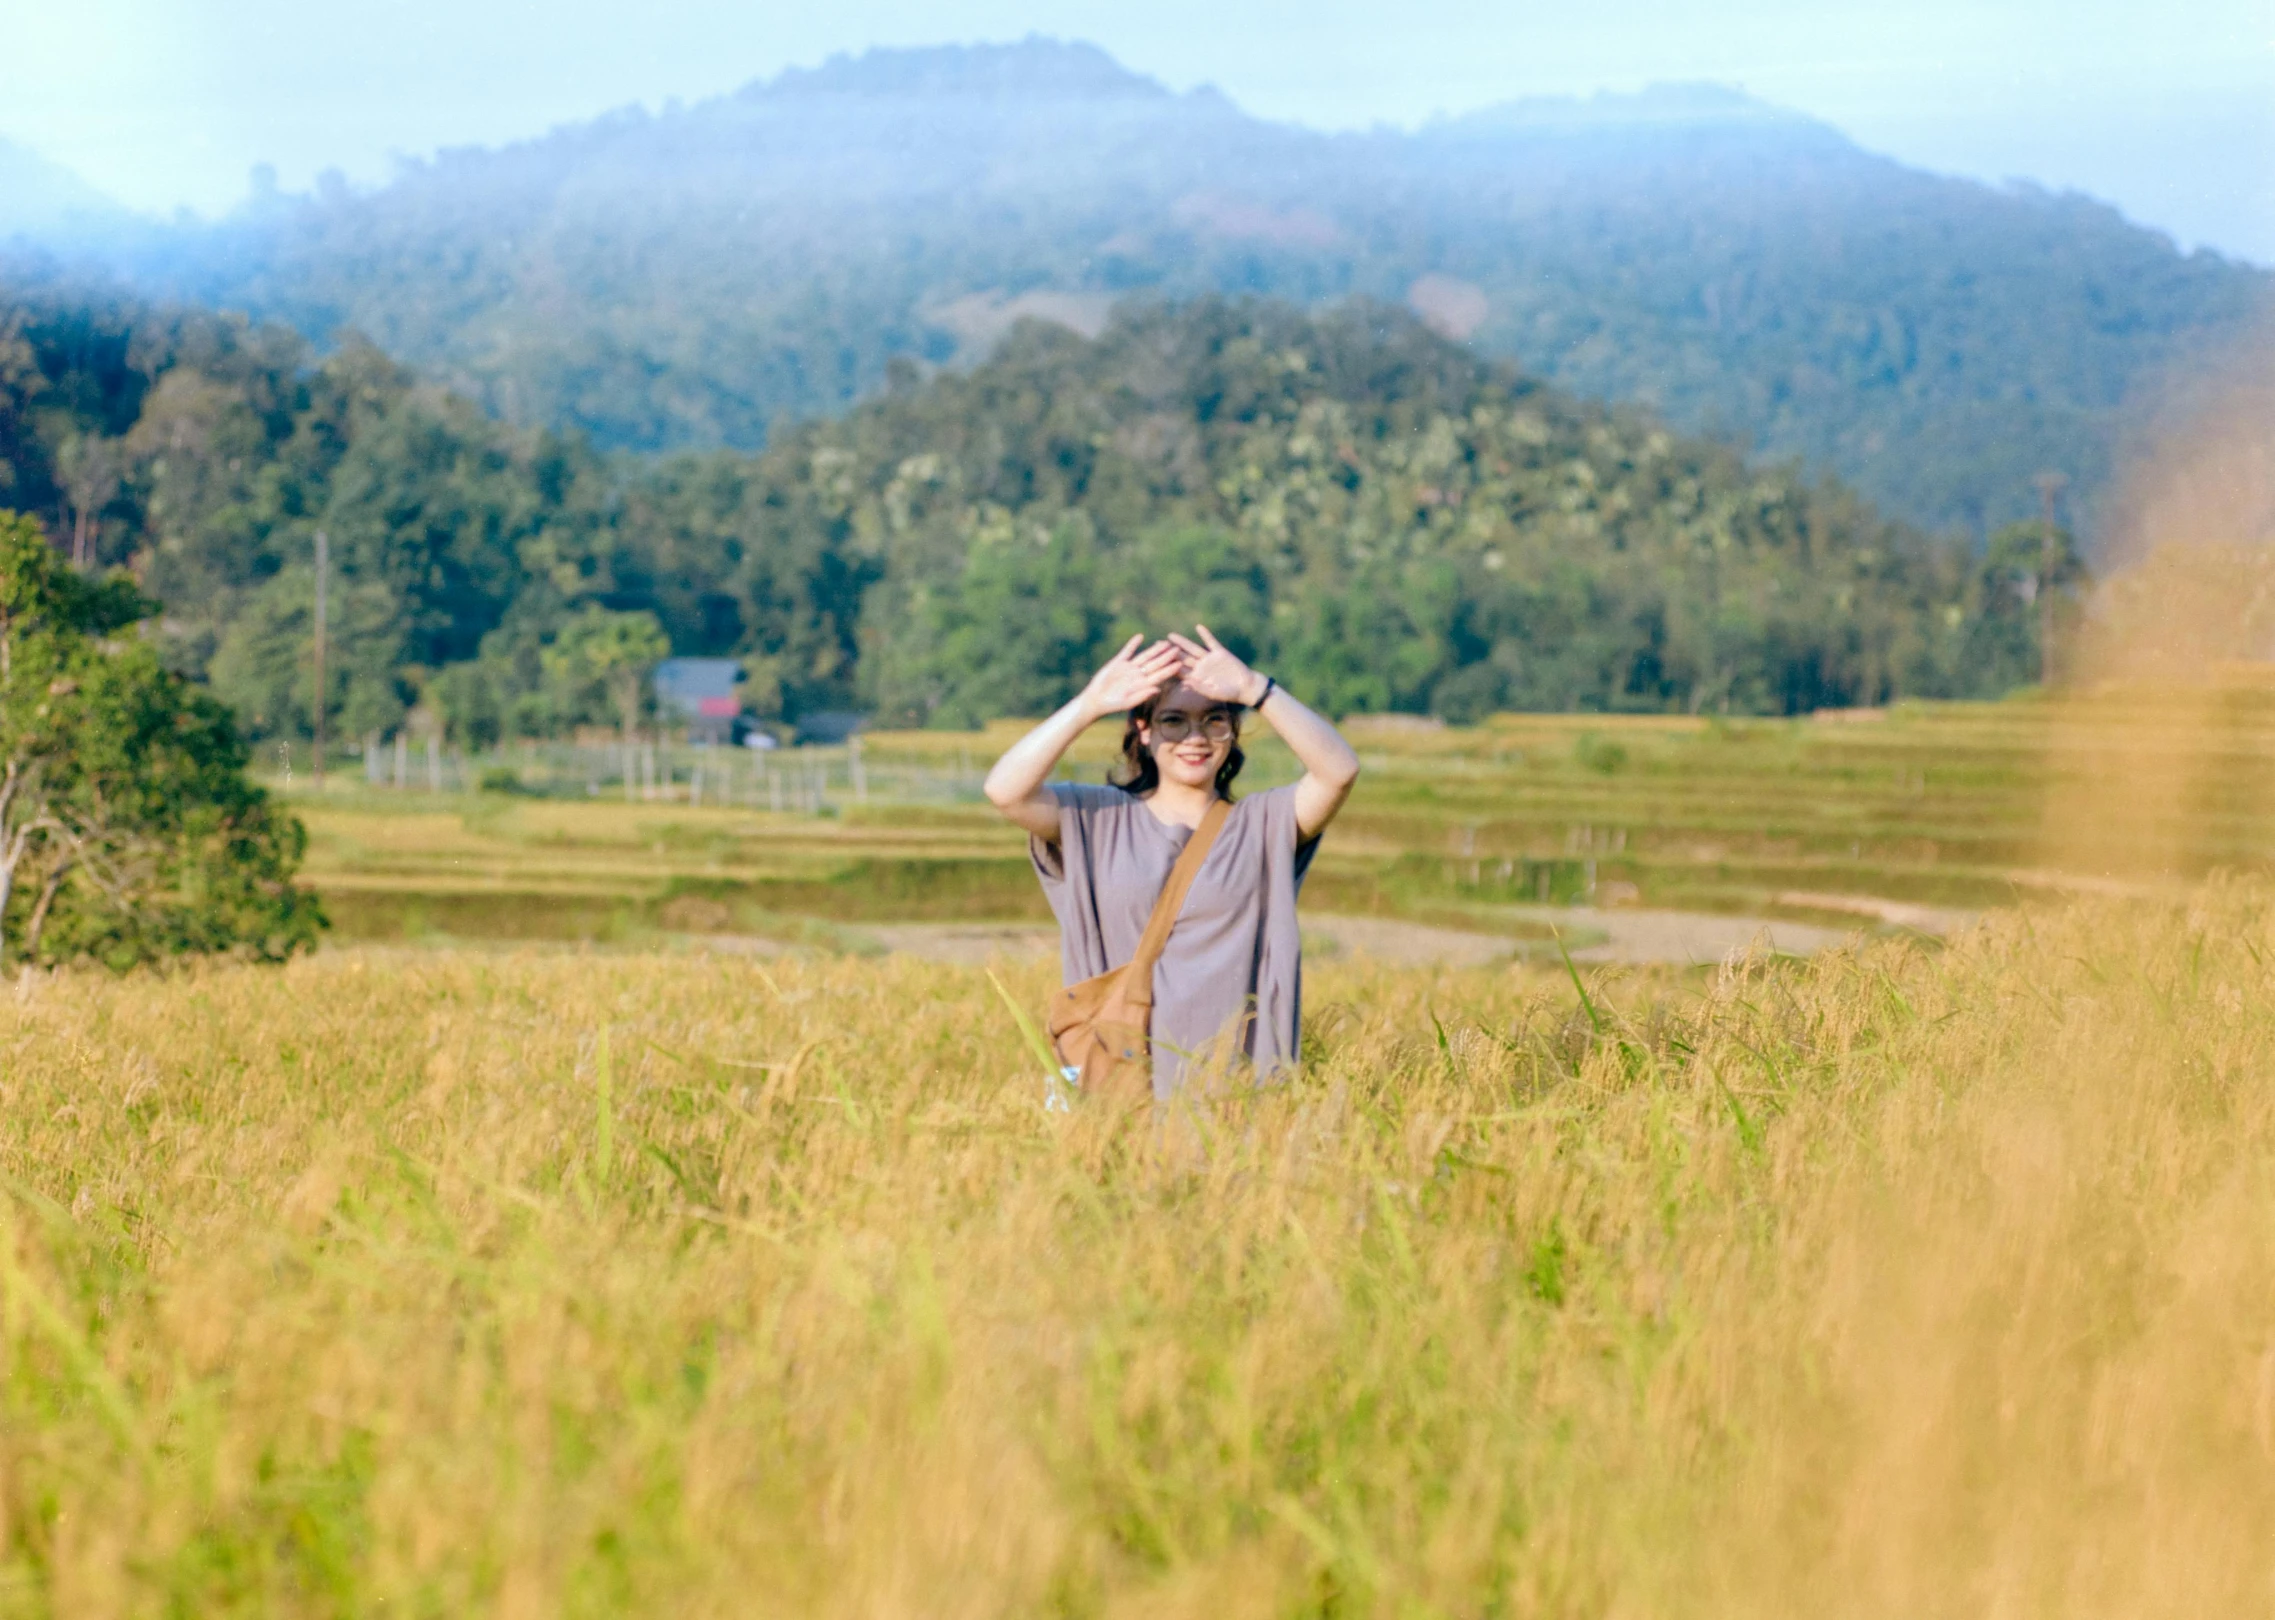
1215, 671
1130, 677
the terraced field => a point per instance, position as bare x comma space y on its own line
1880, 819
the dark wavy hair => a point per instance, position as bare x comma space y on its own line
1135, 772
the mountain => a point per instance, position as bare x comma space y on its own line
705, 275
43, 201
1384, 519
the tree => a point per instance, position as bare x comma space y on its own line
609, 653
91, 469
129, 830
2026, 580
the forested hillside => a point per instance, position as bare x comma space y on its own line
1382, 518
702, 277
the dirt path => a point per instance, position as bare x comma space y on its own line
1596, 935
1900, 913
1693, 937
1592, 935
1403, 943
968, 943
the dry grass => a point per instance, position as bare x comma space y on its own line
1907, 1284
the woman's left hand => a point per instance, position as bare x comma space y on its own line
1216, 672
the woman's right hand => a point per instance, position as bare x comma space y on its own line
1130, 677
1019, 785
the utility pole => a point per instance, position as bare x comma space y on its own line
323, 567
2049, 485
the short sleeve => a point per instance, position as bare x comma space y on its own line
1079, 804
1278, 805
1069, 869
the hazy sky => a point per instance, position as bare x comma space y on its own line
2167, 109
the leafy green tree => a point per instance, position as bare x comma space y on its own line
2019, 568
1200, 571
91, 474
129, 830
608, 655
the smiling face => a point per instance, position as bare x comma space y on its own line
1180, 737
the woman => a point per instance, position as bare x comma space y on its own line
1229, 980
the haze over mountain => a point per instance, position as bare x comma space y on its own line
700, 276
44, 200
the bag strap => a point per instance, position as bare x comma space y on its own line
1138, 982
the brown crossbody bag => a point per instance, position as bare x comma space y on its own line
1102, 1026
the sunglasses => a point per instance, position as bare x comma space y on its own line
1177, 725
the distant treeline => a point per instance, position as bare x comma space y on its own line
1372, 513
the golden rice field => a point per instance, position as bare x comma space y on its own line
1904, 1282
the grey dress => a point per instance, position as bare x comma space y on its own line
1232, 971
